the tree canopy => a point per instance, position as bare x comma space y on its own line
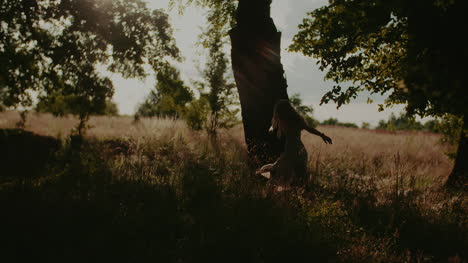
59, 48
410, 50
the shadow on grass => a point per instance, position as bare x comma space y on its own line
81, 211
160, 200
422, 230
24, 154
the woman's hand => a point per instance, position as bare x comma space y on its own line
265, 169
326, 139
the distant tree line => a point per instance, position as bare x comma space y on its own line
335, 122
403, 122
64, 105
448, 125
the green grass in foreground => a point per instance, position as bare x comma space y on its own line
163, 200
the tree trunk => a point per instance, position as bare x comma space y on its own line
459, 173
259, 76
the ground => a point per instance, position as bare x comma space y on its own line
153, 190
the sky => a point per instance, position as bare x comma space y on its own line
302, 73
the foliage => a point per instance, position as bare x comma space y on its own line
217, 90
409, 49
111, 109
305, 111
365, 125
448, 125
170, 96
54, 48
60, 105
335, 122
197, 112
223, 10
402, 122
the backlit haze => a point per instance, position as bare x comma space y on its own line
302, 73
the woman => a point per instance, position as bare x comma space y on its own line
292, 163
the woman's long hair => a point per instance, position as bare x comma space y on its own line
285, 117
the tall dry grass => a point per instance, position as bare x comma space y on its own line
380, 155
98, 126
355, 152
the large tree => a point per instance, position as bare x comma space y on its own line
258, 72
259, 75
411, 50
59, 47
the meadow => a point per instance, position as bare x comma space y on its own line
153, 190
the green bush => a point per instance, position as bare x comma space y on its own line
170, 96
196, 114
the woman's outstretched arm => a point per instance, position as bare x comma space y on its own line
312, 130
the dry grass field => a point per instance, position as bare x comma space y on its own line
367, 154
155, 190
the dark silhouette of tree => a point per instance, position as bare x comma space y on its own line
170, 96
258, 72
259, 75
55, 48
410, 50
